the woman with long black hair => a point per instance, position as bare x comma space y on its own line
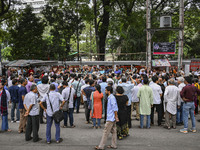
97, 106
122, 125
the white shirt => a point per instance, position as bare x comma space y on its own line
156, 93
65, 95
180, 87
31, 99
10, 83
109, 79
54, 98
70, 82
135, 92
84, 97
171, 98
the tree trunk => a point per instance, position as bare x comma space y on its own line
96, 26
103, 30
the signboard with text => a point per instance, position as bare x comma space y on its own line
161, 63
164, 48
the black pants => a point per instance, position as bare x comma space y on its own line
42, 111
76, 103
32, 126
159, 111
129, 116
105, 105
87, 111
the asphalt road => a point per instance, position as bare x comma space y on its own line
84, 137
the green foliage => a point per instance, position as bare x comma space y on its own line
119, 24
26, 37
63, 25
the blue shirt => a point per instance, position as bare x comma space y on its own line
127, 91
14, 93
22, 92
111, 108
77, 87
5, 88
102, 72
88, 90
103, 87
118, 72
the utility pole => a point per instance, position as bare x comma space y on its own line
77, 30
148, 26
181, 34
0, 60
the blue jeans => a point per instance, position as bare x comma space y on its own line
4, 125
98, 122
142, 119
15, 106
188, 108
179, 115
48, 129
71, 118
77, 102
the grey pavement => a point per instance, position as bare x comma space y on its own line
84, 137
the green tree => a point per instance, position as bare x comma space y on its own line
26, 37
63, 26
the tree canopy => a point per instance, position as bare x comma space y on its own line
94, 27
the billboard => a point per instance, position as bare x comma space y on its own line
164, 48
161, 63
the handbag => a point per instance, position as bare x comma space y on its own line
58, 116
66, 105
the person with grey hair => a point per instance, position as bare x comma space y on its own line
52, 100
179, 115
32, 111
170, 103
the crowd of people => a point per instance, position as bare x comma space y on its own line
35, 95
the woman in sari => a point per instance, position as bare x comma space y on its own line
122, 125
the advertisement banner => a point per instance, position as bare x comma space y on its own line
161, 63
164, 48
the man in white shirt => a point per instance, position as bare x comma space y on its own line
68, 95
171, 100
52, 100
157, 93
179, 115
135, 99
32, 111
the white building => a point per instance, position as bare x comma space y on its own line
38, 5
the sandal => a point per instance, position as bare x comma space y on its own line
73, 126
166, 127
111, 147
20, 132
98, 148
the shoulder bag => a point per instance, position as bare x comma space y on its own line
66, 105
58, 116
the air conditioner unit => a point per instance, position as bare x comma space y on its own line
165, 21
